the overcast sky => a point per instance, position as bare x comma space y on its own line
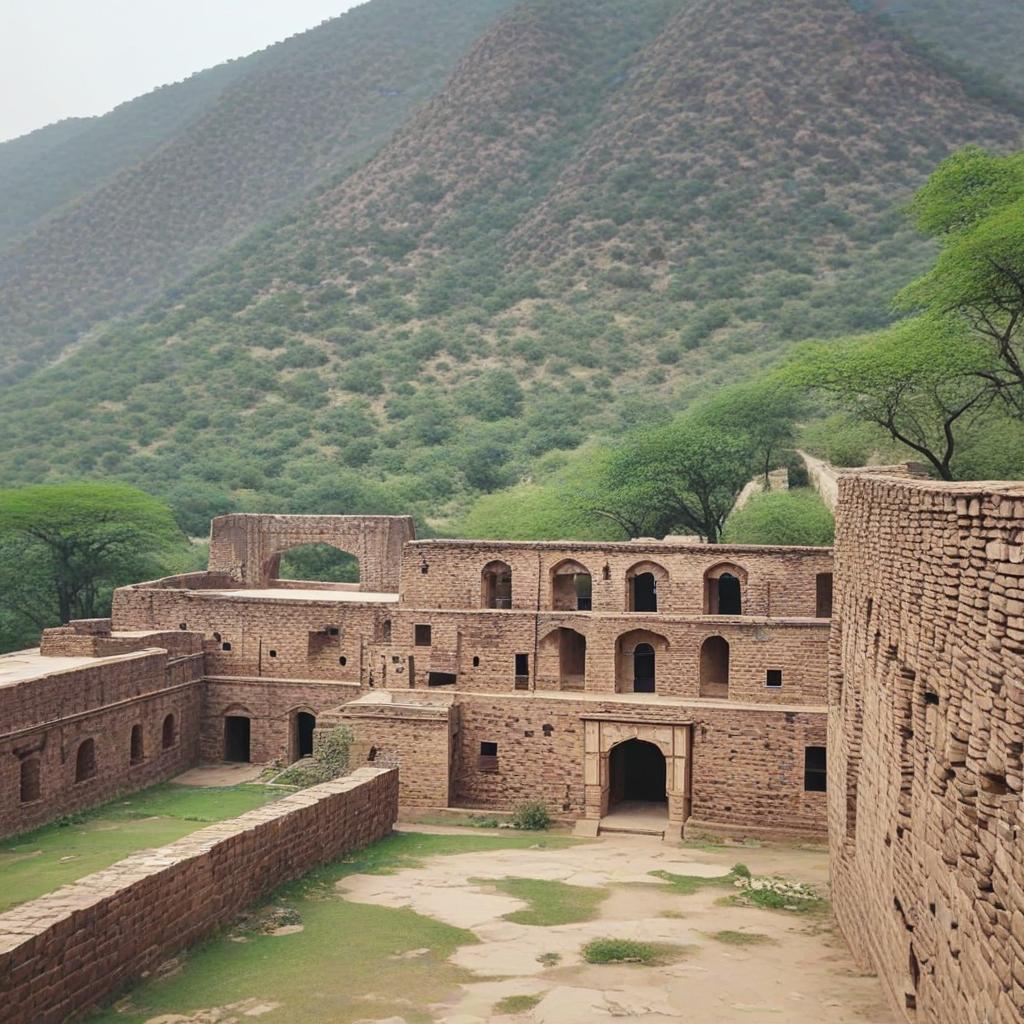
72, 58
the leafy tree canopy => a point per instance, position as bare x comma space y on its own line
974, 206
65, 547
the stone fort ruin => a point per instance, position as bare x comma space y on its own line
875, 695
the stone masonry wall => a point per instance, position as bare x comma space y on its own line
45, 720
779, 582
66, 952
926, 733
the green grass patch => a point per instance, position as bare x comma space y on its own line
687, 885
549, 959
351, 961
39, 862
515, 1004
629, 951
731, 938
550, 903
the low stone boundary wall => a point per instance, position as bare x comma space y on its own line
66, 952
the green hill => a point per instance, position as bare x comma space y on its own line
605, 211
182, 173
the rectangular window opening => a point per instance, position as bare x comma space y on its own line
815, 770
488, 759
773, 678
422, 636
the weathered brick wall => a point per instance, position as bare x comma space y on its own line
747, 762
271, 706
64, 953
44, 719
417, 738
780, 582
249, 547
926, 732
252, 636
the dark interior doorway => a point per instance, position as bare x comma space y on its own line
636, 773
643, 669
645, 593
236, 738
730, 601
305, 723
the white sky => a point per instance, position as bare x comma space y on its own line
72, 58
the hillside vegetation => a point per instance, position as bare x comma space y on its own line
284, 121
607, 211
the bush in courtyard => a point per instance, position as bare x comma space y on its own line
532, 816
330, 761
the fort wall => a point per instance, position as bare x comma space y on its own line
926, 732
62, 954
77, 731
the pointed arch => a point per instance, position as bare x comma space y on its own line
643, 581
496, 585
571, 586
724, 587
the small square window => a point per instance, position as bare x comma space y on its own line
273, 654
423, 636
488, 759
773, 677
476, 662
225, 646
815, 770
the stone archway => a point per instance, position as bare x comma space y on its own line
601, 734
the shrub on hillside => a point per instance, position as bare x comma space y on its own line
781, 517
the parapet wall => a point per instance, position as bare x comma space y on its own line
64, 953
926, 733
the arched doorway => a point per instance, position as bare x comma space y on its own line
723, 590
636, 776
304, 725
643, 668
237, 735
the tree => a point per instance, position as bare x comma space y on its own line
764, 411
974, 206
66, 546
684, 477
782, 517
921, 380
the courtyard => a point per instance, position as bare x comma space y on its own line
460, 926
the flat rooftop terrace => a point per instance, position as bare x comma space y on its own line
19, 666
298, 594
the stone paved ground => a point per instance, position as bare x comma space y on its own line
800, 973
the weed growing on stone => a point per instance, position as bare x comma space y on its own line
549, 959
731, 938
689, 884
515, 1004
532, 815
629, 951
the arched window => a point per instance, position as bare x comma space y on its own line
571, 587
30, 789
85, 761
136, 752
643, 668
714, 667
642, 583
496, 585
723, 590
167, 732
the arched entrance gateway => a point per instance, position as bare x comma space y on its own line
640, 766
636, 775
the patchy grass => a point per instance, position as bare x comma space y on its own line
629, 951
550, 903
350, 961
779, 894
39, 862
687, 885
549, 959
731, 938
511, 1005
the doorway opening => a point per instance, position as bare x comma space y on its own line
305, 723
636, 776
643, 669
237, 732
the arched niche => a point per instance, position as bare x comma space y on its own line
724, 589
564, 654
571, 587
637, 658
714, 667
496, 585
